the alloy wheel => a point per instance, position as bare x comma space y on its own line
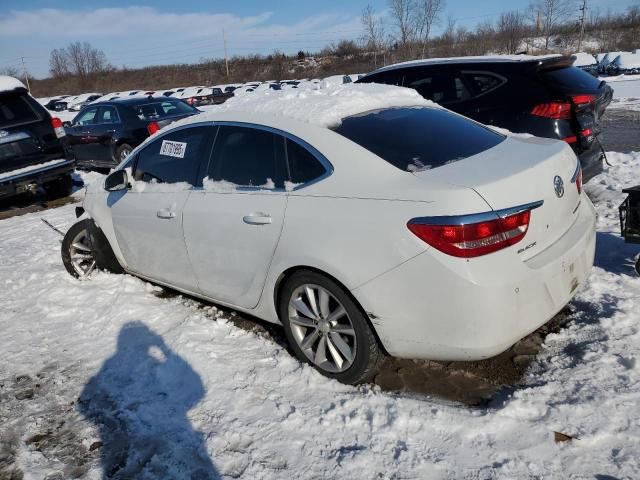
322, 328
81, 255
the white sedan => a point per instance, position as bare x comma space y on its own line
364, 220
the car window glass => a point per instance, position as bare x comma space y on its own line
303, 166
87, 117
248, 157
442, 89
155, 110
483, 82
414, 139
108, 115
15, 109
174, 157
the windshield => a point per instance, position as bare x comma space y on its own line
155, 110
418, 138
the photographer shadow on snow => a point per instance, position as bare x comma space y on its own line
139, 402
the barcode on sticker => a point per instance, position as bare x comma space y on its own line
173, 149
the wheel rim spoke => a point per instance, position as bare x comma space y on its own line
302, 308
81, 246
344, 330
324, 303
311, 296
336, 314
303, 322
321, 351
342, 346
310, 340
334, 353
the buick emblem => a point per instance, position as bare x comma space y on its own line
3, 133
558, 186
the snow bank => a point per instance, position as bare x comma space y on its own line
10, 83
627, 60
325, 107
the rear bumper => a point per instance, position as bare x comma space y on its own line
444, 308
89, 164
591, 161
15, 184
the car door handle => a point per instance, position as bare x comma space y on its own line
166, 213
257, 219
111, 131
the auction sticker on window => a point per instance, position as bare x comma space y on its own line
173, 149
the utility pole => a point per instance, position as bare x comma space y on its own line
583, 8
26, 77
226, 59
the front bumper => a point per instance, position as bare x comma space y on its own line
19, 183
443, 308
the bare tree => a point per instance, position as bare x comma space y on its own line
547, 14
10, 71
403, 15
85, 60
511, 31
428, 15
58, 63
373, 37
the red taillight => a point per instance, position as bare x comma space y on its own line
190, 101
571, 140
153, 127
583, 99
56, 123
474, 239
557, 110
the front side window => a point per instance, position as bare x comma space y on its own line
248, 157
419, 138
88, 117
175, 157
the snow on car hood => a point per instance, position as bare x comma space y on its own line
8, 84
324, 107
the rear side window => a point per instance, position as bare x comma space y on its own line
389, 77
414, 139
15, 110
155, 110
175, 157
482, 82
108, 115
303, 166
570, 79
442, 89
248, 157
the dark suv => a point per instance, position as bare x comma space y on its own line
543, 96
104, 133
31, 153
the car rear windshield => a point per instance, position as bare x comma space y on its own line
155, 110
15, 110
570, 79
414, 139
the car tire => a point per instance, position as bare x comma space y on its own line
59, 188
85, 248
321, 335
123, 152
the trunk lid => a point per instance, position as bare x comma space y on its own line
522, 171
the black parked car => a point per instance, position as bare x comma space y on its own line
31, 153
544, 96
104, 133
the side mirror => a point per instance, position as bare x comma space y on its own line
116, 181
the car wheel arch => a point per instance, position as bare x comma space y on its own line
281, 279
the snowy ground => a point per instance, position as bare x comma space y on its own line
626, 91
106, 377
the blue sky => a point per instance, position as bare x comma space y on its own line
138, 33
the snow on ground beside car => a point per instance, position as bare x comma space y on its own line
103, 374
324, 107
626, 91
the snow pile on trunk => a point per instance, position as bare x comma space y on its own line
325, 107
8, 84
104, 378
584, 59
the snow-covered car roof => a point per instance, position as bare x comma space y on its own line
476, 59
7, 84
325, 107
584, 59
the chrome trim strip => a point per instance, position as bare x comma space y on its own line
37, 171
574, 177
475, 217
